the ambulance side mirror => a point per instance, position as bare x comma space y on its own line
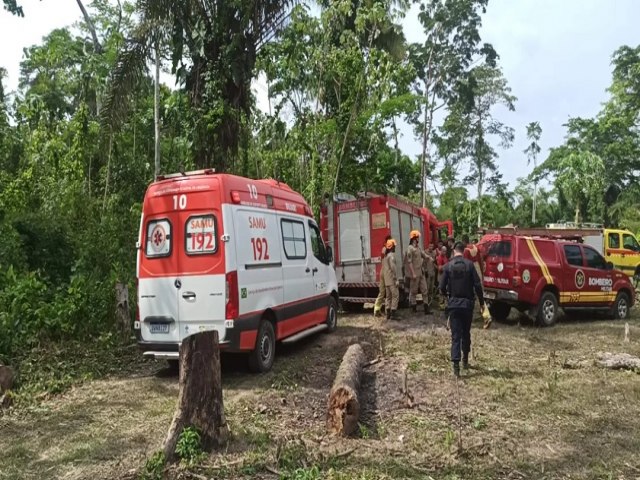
329, 254
609, 266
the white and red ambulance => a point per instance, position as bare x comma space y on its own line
244, 257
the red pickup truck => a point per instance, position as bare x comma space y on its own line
541, 275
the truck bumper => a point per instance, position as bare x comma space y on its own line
508, 296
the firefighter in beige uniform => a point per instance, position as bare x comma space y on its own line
377, 306
390, 276
429, 267
414, 260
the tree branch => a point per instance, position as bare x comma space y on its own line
92, 28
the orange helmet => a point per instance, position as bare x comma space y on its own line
390, 244
414, 234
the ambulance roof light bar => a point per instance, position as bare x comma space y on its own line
204, 171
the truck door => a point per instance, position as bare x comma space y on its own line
201, 283
297, 274
630, 254
598, 280
157, 274
574, 282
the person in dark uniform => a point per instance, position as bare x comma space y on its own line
460, 281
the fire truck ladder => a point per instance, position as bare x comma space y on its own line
365, 271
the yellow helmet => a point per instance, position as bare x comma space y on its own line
414, 234
390, 244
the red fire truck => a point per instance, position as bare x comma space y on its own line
355, 229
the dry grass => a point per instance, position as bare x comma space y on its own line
518, 414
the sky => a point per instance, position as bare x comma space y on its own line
555, 54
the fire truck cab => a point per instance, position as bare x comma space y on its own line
241, 256
355, 229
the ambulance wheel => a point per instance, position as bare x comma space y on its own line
261, 358
620, 309
547, 309
499, 311
332, 316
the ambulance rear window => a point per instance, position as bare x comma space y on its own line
500, 249
158, 243
200, 235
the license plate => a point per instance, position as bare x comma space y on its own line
490, 295
159, 328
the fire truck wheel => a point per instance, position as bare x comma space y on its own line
499, 311
620, 309
261, 358
332, 316
547, 309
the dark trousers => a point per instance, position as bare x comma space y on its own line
460, 323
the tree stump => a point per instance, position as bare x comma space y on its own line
122, 309
344, 406
200, 396
6, 378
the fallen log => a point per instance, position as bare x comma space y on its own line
618, 361
344, 405
200, 395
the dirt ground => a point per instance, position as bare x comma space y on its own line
520, 412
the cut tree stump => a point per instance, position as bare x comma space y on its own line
122, 309
6, 378
344, 406
618, 361
200, 396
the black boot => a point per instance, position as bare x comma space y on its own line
427, 310
414, 308
456, 369
465, 363
388, 313
393, 315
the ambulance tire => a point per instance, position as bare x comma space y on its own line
547, 309
332, 316
261, 358
620, 310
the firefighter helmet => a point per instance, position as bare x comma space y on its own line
414, 234
390, 244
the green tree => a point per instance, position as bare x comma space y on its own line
213, 54
613, 135
452, 43
581, 179
534, 131
469, 129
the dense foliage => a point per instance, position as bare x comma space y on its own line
77, 137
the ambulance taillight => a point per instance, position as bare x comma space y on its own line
231, 311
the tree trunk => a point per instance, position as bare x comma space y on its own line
535, 194
200, 397
156, 112
122, 309
480, 185
577, 219
344, 406
91, 26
